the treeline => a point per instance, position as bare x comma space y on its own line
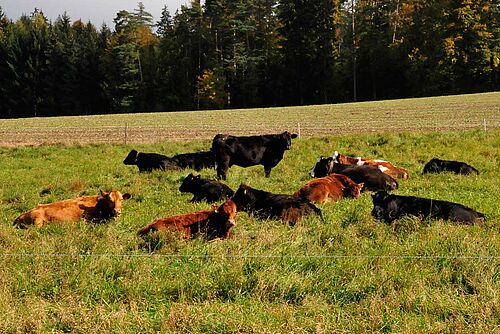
248, 53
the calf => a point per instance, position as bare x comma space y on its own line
266, 205
196, 161
203, 189
384, 166
389, 207
147, 162
457, 167
212, 224
266, 150
330, 188
372, 177
98, 208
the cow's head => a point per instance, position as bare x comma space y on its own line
222, 220
244, 197
189, 183
339, 158
380, 207
355, 189
110, 203
287, 137
131, 158
323, 167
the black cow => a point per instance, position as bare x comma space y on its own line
457, 167
266, 150
371, 176
147, 161
196, 161
266, 205
389, 207
203, 189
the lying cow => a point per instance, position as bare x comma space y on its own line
266, 205
196, 161
372, 177
98, 208
457, 167
330, 188
212, 224
384, 166
147, 162
389, 207
203, 189
266, 150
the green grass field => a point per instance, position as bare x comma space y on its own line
350, 273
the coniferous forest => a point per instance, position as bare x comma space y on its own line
248, 53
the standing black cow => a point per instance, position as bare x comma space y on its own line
147, 161
372, 177
389, 207
203, 189
267, 205
457, 167
266, 150
196, 161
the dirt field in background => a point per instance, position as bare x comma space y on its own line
446, 113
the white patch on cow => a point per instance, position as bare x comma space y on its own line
311, 172
379, 161
383, 169
360, 161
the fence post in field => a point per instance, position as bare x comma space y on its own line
484, 124
298, 127
126, 133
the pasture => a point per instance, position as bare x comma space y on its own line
349, 273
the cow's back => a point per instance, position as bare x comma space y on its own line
372, 177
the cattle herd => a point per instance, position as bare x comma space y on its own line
334, 178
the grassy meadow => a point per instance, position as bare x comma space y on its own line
348, 274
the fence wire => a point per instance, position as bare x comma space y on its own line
259, 256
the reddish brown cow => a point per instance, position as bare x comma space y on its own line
214, 223
330, 188
97, 208
384, 166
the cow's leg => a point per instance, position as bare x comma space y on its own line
267, 170
222, 167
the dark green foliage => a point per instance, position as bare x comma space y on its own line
238, 54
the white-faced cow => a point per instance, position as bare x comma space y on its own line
102, 207
384, 166
372, 177
266, 150
389, 207
457, 167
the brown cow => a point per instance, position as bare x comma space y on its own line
97, 208
214, 223
384, 166
330, 188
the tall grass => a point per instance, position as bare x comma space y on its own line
350, 273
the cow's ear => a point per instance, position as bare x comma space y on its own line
103, 193
126, 196
294, 135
